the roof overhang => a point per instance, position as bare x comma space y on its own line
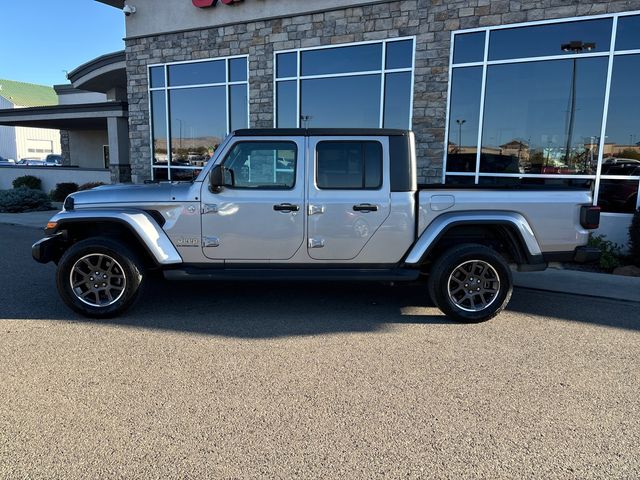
86, 116
113, 3
101, 74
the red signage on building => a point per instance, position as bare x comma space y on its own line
212, 3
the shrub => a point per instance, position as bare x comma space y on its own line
61, 191
611, 252
634, 238
89, 185
21, 200
28, 181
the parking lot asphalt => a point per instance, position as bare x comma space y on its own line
311, 381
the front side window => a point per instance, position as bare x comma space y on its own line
367, 85
261, 165
348, 165
194, 105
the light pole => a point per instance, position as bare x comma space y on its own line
576, 46
460, 123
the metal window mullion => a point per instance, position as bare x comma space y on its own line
546, 58
620, 177
628, 52
413, 69
298, 87
605, 112
383, 76
481, 113
227, 93
275, 89
448, 113
340, 75
536, 175
168, 115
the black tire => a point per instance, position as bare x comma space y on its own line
473, 308
120, 289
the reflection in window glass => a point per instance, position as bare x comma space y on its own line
618, 196
359, 58
459, 180
349, 165
341, 102
238, 70
399, 54
198, 124
287, 65
397, 100
287, 110
159, 131
628, 33
264, 165
469, 47
238, 107
464, 115
197, 73
543, 117
161, 174
543, 40
533, 182
622, 146
157, 77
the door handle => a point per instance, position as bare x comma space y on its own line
286, 207
365, 207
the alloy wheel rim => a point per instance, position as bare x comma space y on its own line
473, 286
97, 280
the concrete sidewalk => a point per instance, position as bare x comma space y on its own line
577, 282
28, 219
552, 280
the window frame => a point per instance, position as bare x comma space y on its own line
383, 71
265, 188
166, 89
611, 53
363, 171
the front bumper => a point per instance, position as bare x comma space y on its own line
48, 249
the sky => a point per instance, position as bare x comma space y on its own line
41, 39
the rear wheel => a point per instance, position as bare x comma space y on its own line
470, 283
99, 277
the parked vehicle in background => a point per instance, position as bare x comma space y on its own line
53, 160
317, 204
31, 162
7, 162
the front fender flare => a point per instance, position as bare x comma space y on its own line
444, 222
140, 223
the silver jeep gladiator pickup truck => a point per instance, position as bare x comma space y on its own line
313, 204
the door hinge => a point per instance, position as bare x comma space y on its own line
316, 209
209, 242
316, 242
209, 208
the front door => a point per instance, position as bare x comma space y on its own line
259, 214
349, 195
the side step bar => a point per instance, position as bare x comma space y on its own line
293, 274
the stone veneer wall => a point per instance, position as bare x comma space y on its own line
65, 148
431, 21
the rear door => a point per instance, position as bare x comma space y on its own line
348, 197
259, 214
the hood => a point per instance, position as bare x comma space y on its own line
132, 194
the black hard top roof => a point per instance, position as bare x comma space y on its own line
311, 132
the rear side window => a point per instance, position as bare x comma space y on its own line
349, 165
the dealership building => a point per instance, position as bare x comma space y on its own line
524, 94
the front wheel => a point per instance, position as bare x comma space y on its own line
470, 283
99, 277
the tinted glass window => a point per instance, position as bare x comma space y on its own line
464, 115
341, 102
397, 100
535, 182
159, 130
628, 34
358, 58
469, 47
618, 196
622, 146
261, 165
349, 165
197, 73
287, 65
198, 124
399, 54
543, 40
460, 180
286, 106
238, 70
238, 107
156, 75
543, 117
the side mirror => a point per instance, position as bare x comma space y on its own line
216, 179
